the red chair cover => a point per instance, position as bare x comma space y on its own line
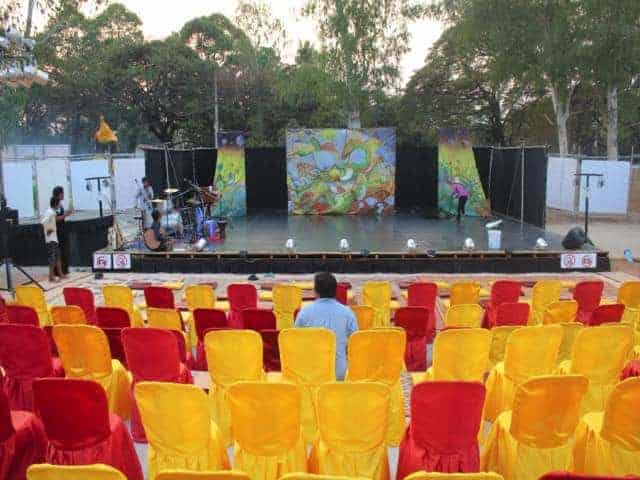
420, 330
632, 369
270, 350
3, 311
115, 343
241, 296
502, 291
23, 315
25, 356
79, 428
112, 317
22, 441
205, 318
588, 294
606, 314
422, 294
258, 319
342, 292
159, 297
430, 443
577, 476
83, 298
186, 357
512, 314
152, 355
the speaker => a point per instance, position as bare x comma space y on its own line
574, 239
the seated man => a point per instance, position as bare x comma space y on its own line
327, 312
154, 237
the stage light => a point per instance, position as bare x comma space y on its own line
88, 186
105, 182
431, 253
200, 245
411, 246
469, 245
541, 244
290, 245
344, 246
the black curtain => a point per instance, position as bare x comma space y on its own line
197, 163
417, 179
266, 179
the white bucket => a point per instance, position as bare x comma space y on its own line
495, 239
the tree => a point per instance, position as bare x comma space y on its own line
255, 18
365, 42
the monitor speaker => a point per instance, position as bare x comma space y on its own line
575, 239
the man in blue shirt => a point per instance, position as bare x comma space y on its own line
327, 312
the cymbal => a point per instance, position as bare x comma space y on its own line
171, 191
157, 200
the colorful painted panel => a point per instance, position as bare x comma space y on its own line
340, 171
458, 174
230, 181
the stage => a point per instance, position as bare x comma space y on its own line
256, 244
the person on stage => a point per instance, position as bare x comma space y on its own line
61, 217
164, 243
327, 312
144, 199
459, 191
51, 240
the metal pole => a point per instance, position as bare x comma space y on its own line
216, 119
490, 173
586, 208
522, 187
99, 198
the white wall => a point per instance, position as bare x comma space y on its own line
126, 172
613, 197
18, 187
51, 173
88, 200
561, 187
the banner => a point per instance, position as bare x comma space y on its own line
230, 182
458, 174
340, 171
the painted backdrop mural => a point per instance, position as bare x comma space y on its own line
457, 166
340, 171
230, 181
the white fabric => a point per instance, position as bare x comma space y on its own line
49, 225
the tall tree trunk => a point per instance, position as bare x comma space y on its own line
561, 106
612, 123
216, 117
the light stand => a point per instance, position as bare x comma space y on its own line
5, 257
587, 190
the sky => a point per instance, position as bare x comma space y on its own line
162, 17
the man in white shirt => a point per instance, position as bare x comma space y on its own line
51, 240
144, 198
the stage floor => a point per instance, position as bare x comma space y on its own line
315, 233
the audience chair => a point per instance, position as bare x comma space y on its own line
569, 333
607, 314
307, 357
365, 316
80, 472
460, 355
22, 441
515, 314
204, 319
534, 437
502, 291
159, 297
608, 442
629, 294
121, 296
4, 317
342, 293
564, 311
599, 353
423, 294
417, 323
79, 428
529, 352
187, 475
267, 446
464, 315
24, 357
68, 315
462, 293
178, 425
578, 476
33, 296
22, 315
453, 476
167, 319
112, 317
114, 338
84, 352
313, 476
258, 319
83, 298
588, 294
286, 300
378, 296
197, 296
499, 337
352, 418
378, 356
232, 356
241, 296
429, 442
545, 292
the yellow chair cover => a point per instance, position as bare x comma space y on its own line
530, 351
313, 476
464, 293
353, 421
266, 425
68, 315
121, 296
463, 315
608, 443
286, 300
365, 316
569, 333
307, 357
32, 296
45, 471
564, 311
629, 294
179, 428
168, 319
453, 476
599, 353
534, 437
378, 356
187, 475
197, 296
460, 355
378, 296
499, 336
84, 352
545, 292
232, 356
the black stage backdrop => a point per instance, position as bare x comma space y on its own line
416, 177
